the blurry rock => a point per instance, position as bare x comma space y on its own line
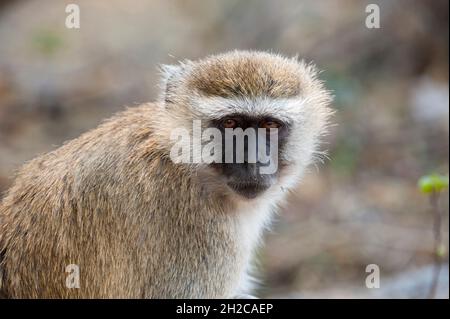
429, 101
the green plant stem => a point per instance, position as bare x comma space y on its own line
437, 219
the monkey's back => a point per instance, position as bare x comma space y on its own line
106, 202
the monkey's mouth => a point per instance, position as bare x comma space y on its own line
248, 190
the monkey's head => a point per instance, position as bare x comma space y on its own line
259, 118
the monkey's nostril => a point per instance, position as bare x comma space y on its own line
251, 169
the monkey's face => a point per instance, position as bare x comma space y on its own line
273, 108
250, 149
264, 143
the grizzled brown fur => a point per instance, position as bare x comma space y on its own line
242, 75
137, 224
99, 202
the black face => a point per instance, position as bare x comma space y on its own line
245, 174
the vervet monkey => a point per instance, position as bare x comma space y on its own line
137, 224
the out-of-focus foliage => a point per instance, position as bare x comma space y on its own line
433, 183
47, 42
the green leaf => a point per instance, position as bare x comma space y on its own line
433, 183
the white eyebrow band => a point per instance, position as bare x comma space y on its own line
283, 109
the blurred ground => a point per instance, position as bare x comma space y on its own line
392, 101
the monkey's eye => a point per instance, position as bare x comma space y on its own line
229, 123
268, 124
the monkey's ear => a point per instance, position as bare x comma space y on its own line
171, 78
169, 70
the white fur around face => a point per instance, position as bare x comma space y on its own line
216, 107
306, 117
252, 219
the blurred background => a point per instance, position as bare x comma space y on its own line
391, 96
